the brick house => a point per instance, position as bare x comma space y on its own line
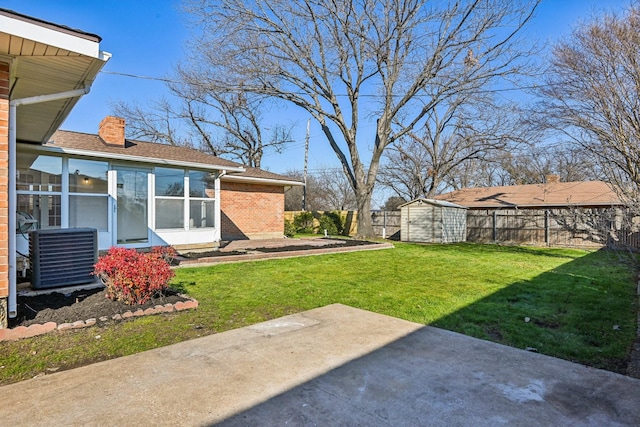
136, 194
140, 194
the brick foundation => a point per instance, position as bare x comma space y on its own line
251, 211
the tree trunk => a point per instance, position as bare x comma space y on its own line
365, 226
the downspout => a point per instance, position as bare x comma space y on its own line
12, 202
218, 217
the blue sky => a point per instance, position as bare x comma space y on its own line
146, 38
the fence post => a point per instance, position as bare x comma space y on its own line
384, 225
495, 226
546, 227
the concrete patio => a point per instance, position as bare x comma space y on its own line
334, 365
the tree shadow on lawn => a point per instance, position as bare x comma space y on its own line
497, 249
583, 311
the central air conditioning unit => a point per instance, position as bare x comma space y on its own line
62, 257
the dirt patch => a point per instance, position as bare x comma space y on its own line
79, 305
284, 247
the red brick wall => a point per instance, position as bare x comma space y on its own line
251, 211
4, 180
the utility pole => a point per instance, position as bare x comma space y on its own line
306, 165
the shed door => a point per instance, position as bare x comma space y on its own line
421, 224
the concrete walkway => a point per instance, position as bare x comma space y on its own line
331, 366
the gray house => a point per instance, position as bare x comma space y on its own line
432, 221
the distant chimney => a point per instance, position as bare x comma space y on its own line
553, 179
111, 130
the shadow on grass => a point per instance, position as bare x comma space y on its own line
580, 311
498, 249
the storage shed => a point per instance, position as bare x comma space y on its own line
433, 221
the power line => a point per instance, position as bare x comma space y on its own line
342, 95
136, 76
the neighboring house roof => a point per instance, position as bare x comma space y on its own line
84, 144
552, 194
432, 202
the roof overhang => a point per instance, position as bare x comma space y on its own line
46, 58
265, 181
126, 158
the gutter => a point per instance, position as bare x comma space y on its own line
268, 181
13, 201
128, 157
217, 216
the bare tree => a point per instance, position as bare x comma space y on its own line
238, 115
227, 124
592, 94
402, 57
487, 172
334, 190
293, 195
535, 163
327, 190
464, 131
156, 123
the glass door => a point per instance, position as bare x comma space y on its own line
132, 201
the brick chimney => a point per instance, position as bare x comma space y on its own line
552, 179
111, 130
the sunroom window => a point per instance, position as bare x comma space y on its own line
39, 189
169, 200
88, 194
201, 200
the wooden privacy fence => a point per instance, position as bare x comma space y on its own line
385, 223
567, 227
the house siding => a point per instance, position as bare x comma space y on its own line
4, 196
251, 211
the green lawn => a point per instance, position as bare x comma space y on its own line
572, 304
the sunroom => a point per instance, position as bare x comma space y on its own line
132, 201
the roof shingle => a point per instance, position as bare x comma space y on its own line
553, 194
156, 153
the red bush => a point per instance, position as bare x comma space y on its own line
134, 277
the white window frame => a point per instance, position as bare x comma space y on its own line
64, 213
213, 200
185, 206
67, 194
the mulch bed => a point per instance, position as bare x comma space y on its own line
79, 305
288, 248
86, 304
